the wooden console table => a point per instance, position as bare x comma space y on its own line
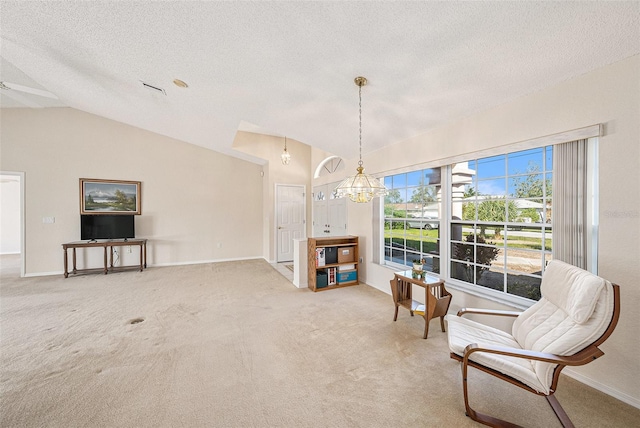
105, 245
436, 298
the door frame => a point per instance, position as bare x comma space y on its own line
21, 176
275, 215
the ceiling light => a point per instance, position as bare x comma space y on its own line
360, 187
180, 83
285, 156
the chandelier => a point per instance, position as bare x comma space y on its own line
285, 156
360, 187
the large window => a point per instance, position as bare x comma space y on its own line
500, 222
412, 217
497, 215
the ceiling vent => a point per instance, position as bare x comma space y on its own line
154, 88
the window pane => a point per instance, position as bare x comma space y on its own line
414, 178
548, 211
549, 158
548, 238
525, 161
528, 211
399, 181
423, 194
527, 186
491, 167
492, 277
495, 187
524, 286
432, 264
495, 210
397, 256
463, 210
487, 255
431, 245
528, 239
432, 176
524, 261
462, 271
460, 230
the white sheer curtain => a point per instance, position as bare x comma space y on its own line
570, 203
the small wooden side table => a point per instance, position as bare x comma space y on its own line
436, 297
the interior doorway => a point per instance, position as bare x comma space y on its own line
290, 219
12, 223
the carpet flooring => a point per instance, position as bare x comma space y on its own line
235, 344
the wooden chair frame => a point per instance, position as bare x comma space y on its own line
586, 355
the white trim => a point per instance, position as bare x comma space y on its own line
202, 262
198, 262
23, 258
321, 166
275, 214
548, 140
592, 204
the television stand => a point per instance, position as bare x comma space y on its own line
105, 245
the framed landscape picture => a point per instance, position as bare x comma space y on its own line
109, 197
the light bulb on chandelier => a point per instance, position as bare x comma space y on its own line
285, 156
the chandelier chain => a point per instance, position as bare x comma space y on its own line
360, 107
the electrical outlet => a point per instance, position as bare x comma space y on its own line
129, 249
48, 220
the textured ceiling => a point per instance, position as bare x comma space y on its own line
287, 68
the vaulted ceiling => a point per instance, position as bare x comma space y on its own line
287, 68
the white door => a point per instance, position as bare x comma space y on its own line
320, 215
337, 216
290, 215
329, 212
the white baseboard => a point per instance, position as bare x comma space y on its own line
625, 398
198, 262
201, 262
31, 275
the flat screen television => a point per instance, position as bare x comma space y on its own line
106, 227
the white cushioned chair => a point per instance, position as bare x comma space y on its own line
578, 311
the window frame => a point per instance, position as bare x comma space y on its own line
590, 132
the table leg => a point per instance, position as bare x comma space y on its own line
145, 254
105, 259
141, 258
66, 264
111, 255
74, 260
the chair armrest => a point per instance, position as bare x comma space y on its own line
585, 356
488, 312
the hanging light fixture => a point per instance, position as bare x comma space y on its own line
360, 187
285, 156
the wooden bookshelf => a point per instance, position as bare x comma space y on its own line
334, 257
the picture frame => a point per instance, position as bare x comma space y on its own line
99, 196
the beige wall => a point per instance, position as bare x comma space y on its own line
610, 96
298, 172
197, 205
